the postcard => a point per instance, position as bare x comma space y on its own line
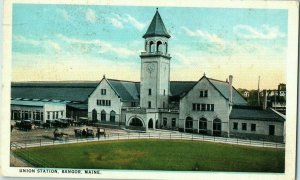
149, 90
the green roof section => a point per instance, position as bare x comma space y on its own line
156, 27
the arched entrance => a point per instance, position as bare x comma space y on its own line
136, 122
112, 117
103, 115
189, 124
202, 126
94, 115
217, 126
150, 124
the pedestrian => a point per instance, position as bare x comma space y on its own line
83, 133
98, 132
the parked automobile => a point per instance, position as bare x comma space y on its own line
60, 123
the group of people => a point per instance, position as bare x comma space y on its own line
84, 132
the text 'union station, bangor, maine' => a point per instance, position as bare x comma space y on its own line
207, 106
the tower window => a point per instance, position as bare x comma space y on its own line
149, 92
164, 92
149, 104
151, 47
159, 46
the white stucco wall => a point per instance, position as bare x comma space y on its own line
110, 95
221, 106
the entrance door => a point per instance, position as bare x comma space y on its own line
271, 130
217, 126
150, 124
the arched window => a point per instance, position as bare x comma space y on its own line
151, 47
203, 126
94, 115
136, 122
112, 116
217, 127
159, 47
103, 115
189, 124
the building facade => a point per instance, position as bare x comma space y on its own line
207, 106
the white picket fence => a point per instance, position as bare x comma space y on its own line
163, 135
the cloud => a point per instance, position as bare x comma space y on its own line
140, 26
127, 18
53, 45
212, 38
25, 40
91, 16
116, 23
99, 45
264, 32
64, 14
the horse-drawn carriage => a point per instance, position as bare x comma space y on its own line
57, 135
24, 125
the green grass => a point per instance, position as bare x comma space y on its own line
159, 155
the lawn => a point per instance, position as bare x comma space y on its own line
159, 155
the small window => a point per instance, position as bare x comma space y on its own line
208, 107
133, 104
244, 126
56, 115
212, 107
205, 93
203, 107
53, 115
48, 115
198, 107
164, 92
194, 107
103, 91
149, 92
235, 126
201, 93
149, 104
271, 130
253, 127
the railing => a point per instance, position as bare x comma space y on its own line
154, 135
25, 153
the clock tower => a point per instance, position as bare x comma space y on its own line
155, 66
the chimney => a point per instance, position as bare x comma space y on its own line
230, 88
265, 99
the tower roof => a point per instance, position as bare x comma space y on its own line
156, 27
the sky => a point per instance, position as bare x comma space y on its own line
81, 42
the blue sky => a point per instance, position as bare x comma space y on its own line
75, 42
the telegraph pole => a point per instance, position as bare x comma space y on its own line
258, 98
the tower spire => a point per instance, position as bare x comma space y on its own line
156, 27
